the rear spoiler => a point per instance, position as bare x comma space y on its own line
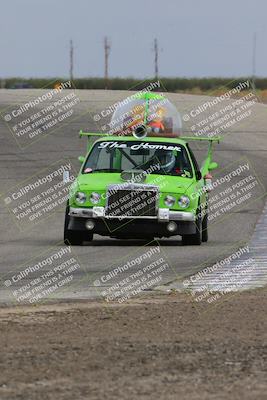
81, 133
208, 160
210, 139
205, 139
89, 134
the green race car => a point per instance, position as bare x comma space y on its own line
141, 180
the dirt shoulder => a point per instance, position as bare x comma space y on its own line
159, 347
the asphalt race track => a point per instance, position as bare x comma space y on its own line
244, 141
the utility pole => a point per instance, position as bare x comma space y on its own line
156, 59
107, 48
254, 49
71, 60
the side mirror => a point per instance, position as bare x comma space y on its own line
81, 159
212, 166
198, 175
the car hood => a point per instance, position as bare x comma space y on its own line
101, 181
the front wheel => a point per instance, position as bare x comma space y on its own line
205, 235
196, 238
73, 238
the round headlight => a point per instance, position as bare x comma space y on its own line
169, 200
95, 198
80, 197
184, 201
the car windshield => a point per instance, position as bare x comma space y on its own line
152, 157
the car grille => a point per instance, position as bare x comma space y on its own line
133, 201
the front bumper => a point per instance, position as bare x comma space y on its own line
164, 215
129, 227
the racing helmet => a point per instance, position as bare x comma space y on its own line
166, 159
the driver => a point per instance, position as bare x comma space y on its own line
166, 159
163, 160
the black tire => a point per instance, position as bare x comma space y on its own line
88, 237
196, 238
205, 234
74, 238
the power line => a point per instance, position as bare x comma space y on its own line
107, 48
156, 59
254, 50
71, 60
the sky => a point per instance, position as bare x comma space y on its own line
197, 38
